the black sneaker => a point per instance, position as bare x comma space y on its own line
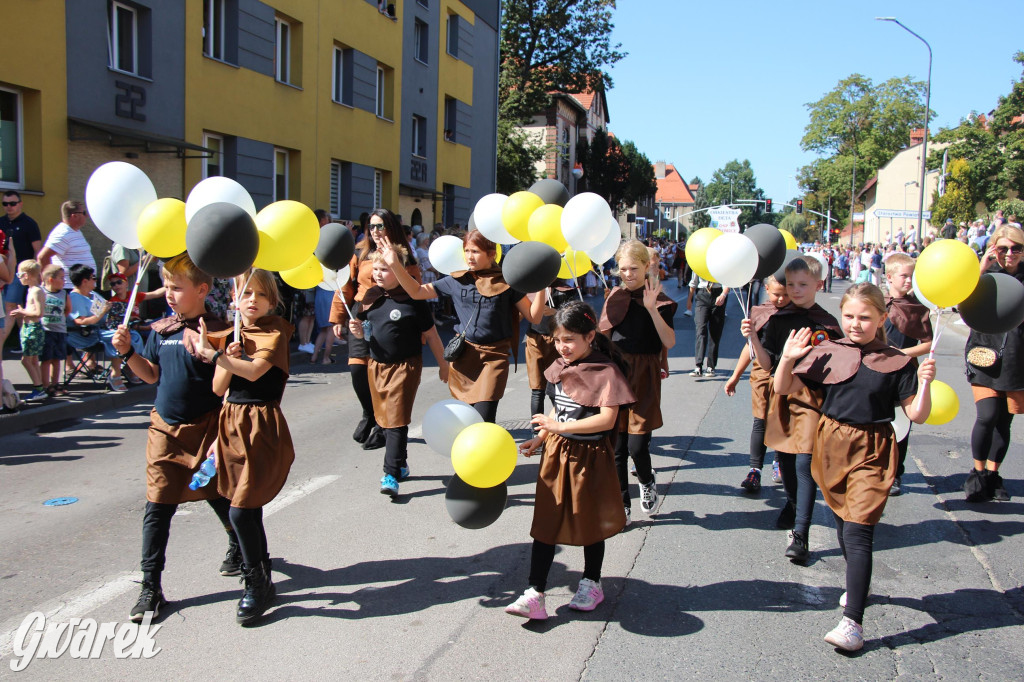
787, 518
232, 564
976, 487
797, 551
151, 598
752, 483
363, 428
375, 440
897, 488
996, 488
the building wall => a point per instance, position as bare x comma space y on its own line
892, 193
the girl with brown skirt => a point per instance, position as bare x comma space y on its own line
254, 447
637, 317
855, 451
488, 311
577, 488
540, 347
382, 222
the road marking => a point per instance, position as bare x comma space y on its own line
94, 594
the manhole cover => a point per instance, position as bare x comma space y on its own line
60, 501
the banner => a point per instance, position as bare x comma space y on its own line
725, 219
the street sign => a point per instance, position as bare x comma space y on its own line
858, 217
811, 223
906, 215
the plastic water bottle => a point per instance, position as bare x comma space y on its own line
207, 470
367, 330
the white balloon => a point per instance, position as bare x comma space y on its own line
584, 221
330, 280
344, 275
487, 216
116, 194
218, 189
608, 246
732, 259
818, 256
444, 421
901, 424
920, 297
446, 255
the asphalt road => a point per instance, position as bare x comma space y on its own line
370, 589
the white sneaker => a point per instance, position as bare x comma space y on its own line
629, 518
848, 635
649, 495
588, 595
529, 605
306, 348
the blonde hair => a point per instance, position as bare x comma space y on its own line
813, 264
68, 207
1007, 231
30, 267
267, 284
899, 259
51, 270
634, 249
867, 292
183, 265
400, 251
770, 280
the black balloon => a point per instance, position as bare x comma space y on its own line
530, 266
995, 306
474, 508
780, 273
551, 191
222, 240
771, 248
335, 247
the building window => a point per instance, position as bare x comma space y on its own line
341, 76
284, 46
123, 38
381, 85
450, 119
378, 189
214, 20
419, 136
11, 143
336, 190
214, 164
422, 38
453, 35
280, 174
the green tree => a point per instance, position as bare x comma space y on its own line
1008, 127
733, 182
796, 224
605, 167
642, 182
700, 200
958, 202
517, 154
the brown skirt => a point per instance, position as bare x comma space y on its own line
792, 421
644, 415
254, 453
540, 353
578, 501
173, 454
480, 373
393, 390
855, 466
759, 380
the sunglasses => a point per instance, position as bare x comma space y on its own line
1017, 249
11, 203
117, 283
376, 226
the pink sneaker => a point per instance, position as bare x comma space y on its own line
529, 605
588, 595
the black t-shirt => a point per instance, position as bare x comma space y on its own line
776, 332
267, 389
568, 410
185, 390
22, 232
897, 339
868, 397
494, 321
559, 297
636, 334
396, 328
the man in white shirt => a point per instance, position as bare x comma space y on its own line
66, 245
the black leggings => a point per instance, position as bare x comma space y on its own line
361, 385
543, 556
856, 540
396, 449
156, 530
252, 538
991, 435
488, 409
536, 403
637, 446
800, 487
757, 446
901, 447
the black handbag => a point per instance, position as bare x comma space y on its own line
457, 345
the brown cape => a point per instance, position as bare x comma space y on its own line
267, 339
833, 362
617, 303
173, 324
760, 314
592, 382
910, 317
377, 294
489, 282
815, 313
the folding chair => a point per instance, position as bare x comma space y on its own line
78, 363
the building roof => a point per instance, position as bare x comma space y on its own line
672, 189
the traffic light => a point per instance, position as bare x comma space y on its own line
799, 205
767, 205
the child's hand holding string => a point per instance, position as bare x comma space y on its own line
797, 345
926, 371
234, 350
746, 328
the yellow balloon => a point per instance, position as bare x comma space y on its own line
947, 272
697, 249
545, 225
484, 455
945, 404
306, 276
161, 228
516, 212
289, 232
790, 240
497, 253
574, 264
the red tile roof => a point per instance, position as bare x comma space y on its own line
585, 98
672, 189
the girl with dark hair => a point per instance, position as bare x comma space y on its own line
382, 226
488, 311
577, 499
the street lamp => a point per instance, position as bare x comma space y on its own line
927, 114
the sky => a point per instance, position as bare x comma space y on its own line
708, 82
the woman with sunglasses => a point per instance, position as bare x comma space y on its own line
995, 368
383, 224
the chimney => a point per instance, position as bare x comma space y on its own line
659, 170
916, 136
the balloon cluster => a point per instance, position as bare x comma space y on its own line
483, 456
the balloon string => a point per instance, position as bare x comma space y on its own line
144, 260
238, 301
939, 323
573, 273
